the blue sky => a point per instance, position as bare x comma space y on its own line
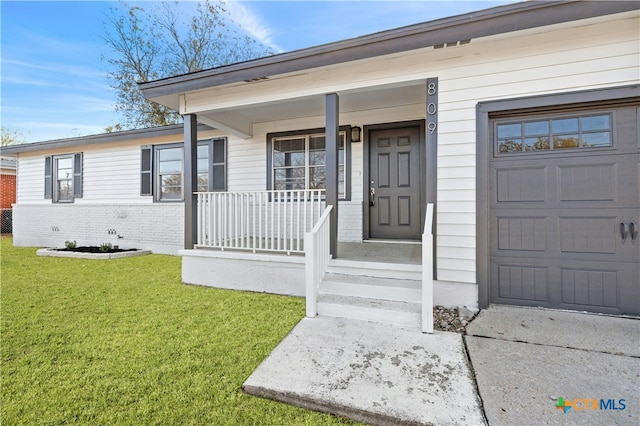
53, 81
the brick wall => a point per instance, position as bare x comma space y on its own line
158, 227
7, 191
350, 221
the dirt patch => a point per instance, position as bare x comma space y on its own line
445, 319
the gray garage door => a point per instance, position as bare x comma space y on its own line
565, 210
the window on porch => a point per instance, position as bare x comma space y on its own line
297, 161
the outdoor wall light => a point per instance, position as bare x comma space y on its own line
355, 134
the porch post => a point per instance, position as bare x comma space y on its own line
331, 141
190, 180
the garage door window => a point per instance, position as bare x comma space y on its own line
554, 133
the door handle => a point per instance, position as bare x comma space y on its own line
372, 196
624, 229
633, 230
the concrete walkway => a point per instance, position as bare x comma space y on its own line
373, 373
522, 361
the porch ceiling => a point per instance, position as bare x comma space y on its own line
240, 120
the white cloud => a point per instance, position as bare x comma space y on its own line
253, 24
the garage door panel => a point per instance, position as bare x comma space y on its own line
596, 235
609, 287
522, 282
521, 184
521, 233
576, 234
587, 182
589, 287
567, 182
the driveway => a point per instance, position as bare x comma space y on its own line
525, 360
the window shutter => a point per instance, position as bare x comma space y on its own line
48, 177
77, 175
146, 176
219, 165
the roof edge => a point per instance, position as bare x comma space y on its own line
486, 22
101, 138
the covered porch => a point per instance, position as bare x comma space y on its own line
282, 236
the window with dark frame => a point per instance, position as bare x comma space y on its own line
162, 169
63, 177
554, 133
63, 186
298, 162
170, 162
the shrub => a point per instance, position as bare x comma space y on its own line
105, 247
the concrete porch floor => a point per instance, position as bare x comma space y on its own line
409, 252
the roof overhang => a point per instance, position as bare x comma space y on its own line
102, 138
441, 32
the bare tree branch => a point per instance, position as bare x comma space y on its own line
170, 39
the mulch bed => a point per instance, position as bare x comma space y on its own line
94, 249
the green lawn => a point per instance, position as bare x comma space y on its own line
125, 342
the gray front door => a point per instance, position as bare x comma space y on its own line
565, 211
394, 173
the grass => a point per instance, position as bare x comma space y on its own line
125, 342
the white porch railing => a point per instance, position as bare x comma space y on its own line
427, 272
317, 259
259, 221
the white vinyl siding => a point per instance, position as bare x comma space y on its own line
247, 164
30, 183
112, 175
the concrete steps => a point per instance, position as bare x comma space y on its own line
377, 292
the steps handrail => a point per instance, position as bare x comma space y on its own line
428, 220
322, 219
316, 247
427, 272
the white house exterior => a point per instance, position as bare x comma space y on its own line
525, 121
110, 207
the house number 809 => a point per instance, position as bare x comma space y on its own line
432, 107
